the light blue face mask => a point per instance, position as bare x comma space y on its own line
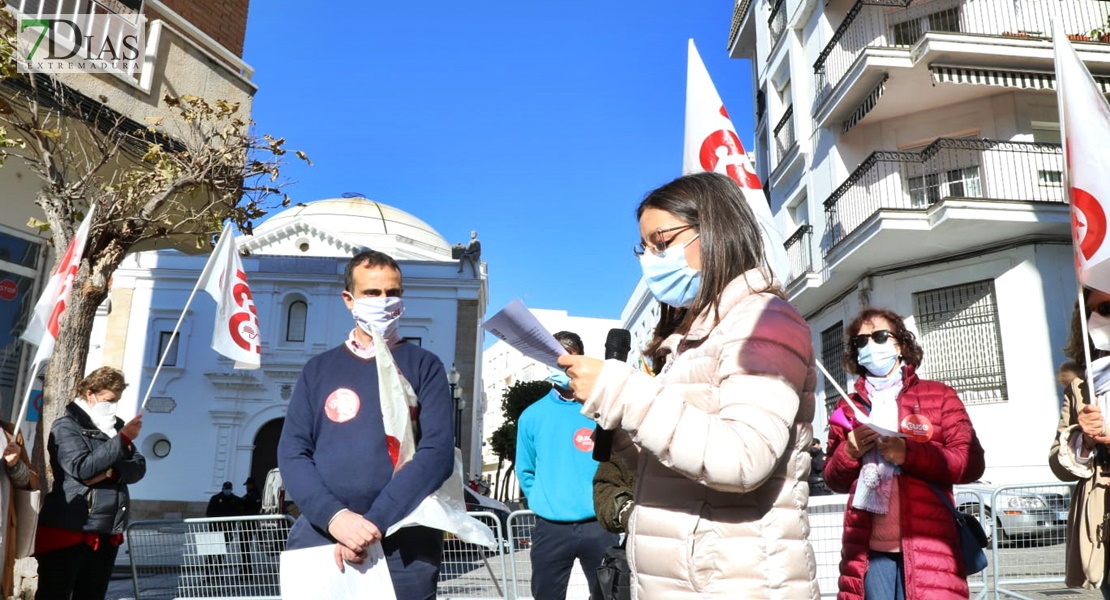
878, 359
559, 378
669, 277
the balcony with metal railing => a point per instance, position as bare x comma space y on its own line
785, 140
900, 204
798, 251
886, 35
776, 24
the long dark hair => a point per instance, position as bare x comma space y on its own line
730, 241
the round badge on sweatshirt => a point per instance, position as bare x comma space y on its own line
342, 405
584, 439
917, 427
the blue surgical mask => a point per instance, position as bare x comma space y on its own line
878, 359
560, 378
669, 277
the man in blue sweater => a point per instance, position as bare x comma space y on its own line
334, 455
555, 467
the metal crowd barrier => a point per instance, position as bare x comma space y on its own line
238, 557
226, 557
471, 571
521, 525
1028, 531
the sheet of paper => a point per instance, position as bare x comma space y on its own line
210, 543
520, 329
866, 420
310, 574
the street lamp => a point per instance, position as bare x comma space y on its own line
456, 392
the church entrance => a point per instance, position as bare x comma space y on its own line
264, 457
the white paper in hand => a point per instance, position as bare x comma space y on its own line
311, 574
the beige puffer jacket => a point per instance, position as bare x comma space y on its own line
720, 442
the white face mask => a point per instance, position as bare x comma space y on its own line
381, 312
103, 411
1098, 327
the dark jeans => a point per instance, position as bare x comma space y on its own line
414, 555
885, 577
555, 546
76, 573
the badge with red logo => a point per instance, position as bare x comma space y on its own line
342, 405
584, 439
917, 427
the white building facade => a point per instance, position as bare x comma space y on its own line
206, 422
503, 366
911, 153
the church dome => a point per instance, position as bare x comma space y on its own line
359, 222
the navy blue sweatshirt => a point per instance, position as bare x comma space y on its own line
333, 454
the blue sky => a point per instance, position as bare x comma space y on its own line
539, 124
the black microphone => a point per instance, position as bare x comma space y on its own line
617, 345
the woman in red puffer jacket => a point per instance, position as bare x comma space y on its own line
900, 539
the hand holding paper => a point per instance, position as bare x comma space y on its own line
520, 329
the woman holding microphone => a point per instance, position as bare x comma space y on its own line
720, 436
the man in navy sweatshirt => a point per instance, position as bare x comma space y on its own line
334, 456
555, 467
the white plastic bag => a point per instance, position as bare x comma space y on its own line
445, 508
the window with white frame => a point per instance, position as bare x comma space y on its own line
926, 190
799, 211
1048, 132
295, 320
832, 350
962, 340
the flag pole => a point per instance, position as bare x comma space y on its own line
36, 364
177, 325
166, 351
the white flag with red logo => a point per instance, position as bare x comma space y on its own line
712, 145
1085, 131
236, 333
43, 328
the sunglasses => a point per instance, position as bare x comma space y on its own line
1102, 308
880, 337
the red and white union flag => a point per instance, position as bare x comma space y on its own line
711, 144
1085, 130
43, 328
236, 334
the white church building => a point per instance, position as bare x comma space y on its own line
206, 422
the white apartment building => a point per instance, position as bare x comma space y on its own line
911, 154
503, 366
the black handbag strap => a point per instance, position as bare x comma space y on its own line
946, 501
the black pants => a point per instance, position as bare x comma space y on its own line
555, 545
76, 573
414, 555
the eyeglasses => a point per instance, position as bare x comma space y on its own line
880, 337
656, 243
1102, 308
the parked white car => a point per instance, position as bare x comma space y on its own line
1038, 512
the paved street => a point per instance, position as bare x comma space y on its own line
466, 576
